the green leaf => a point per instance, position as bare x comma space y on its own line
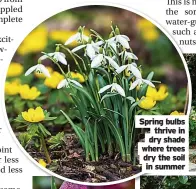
20, 119
131, 99
24, 139
56, 140
80, 133
53, 184
33, 129
44, 131
108, 95
183, 179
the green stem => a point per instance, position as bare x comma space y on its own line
76, 62
96, 142
43, 143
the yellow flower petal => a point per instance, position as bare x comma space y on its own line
147, 103
42, 162
79, 77
12, 88
159, 95
177, 113
34, 115
36, 41
15, 69
54, 80
28, 93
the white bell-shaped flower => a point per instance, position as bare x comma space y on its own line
40, 68
77, 37
139, 80
114, 87
91, 49
65, 83
57, 56
98, 59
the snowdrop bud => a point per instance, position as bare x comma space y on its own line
90, 40
100, 50
129, 60
80, 29
114, 80
117, 31
57, 48
111, 35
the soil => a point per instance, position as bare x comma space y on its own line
69, 161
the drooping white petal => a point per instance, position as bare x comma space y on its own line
130, 55
78, 48
98, 43
105, 88
63, 83
119, 89
134, 84
72, 39
30, 70
97, 61
75, 82
135, 71
60, 57
43, 69
90, 51
112, 62
114, 46
126, 37
121, 68
148, 82
45, 56
122, 41
111, 40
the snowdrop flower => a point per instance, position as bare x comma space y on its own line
129, 55
57, 56
122, 39
129, 68
65, 83
77, 37
114, 87
39, 68
98, 59
91, 49
139, 79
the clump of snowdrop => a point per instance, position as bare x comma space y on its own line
108, 99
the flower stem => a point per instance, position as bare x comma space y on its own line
45, 149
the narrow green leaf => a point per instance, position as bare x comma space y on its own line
53, 184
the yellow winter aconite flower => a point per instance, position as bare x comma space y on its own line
28, 93
150, 35
143, 24
12, 88
54, 80
34, 115
177, 113
36, 41
79, 77
148, 30
15, 69
147, 103
42, 162
159, 95
41, 75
